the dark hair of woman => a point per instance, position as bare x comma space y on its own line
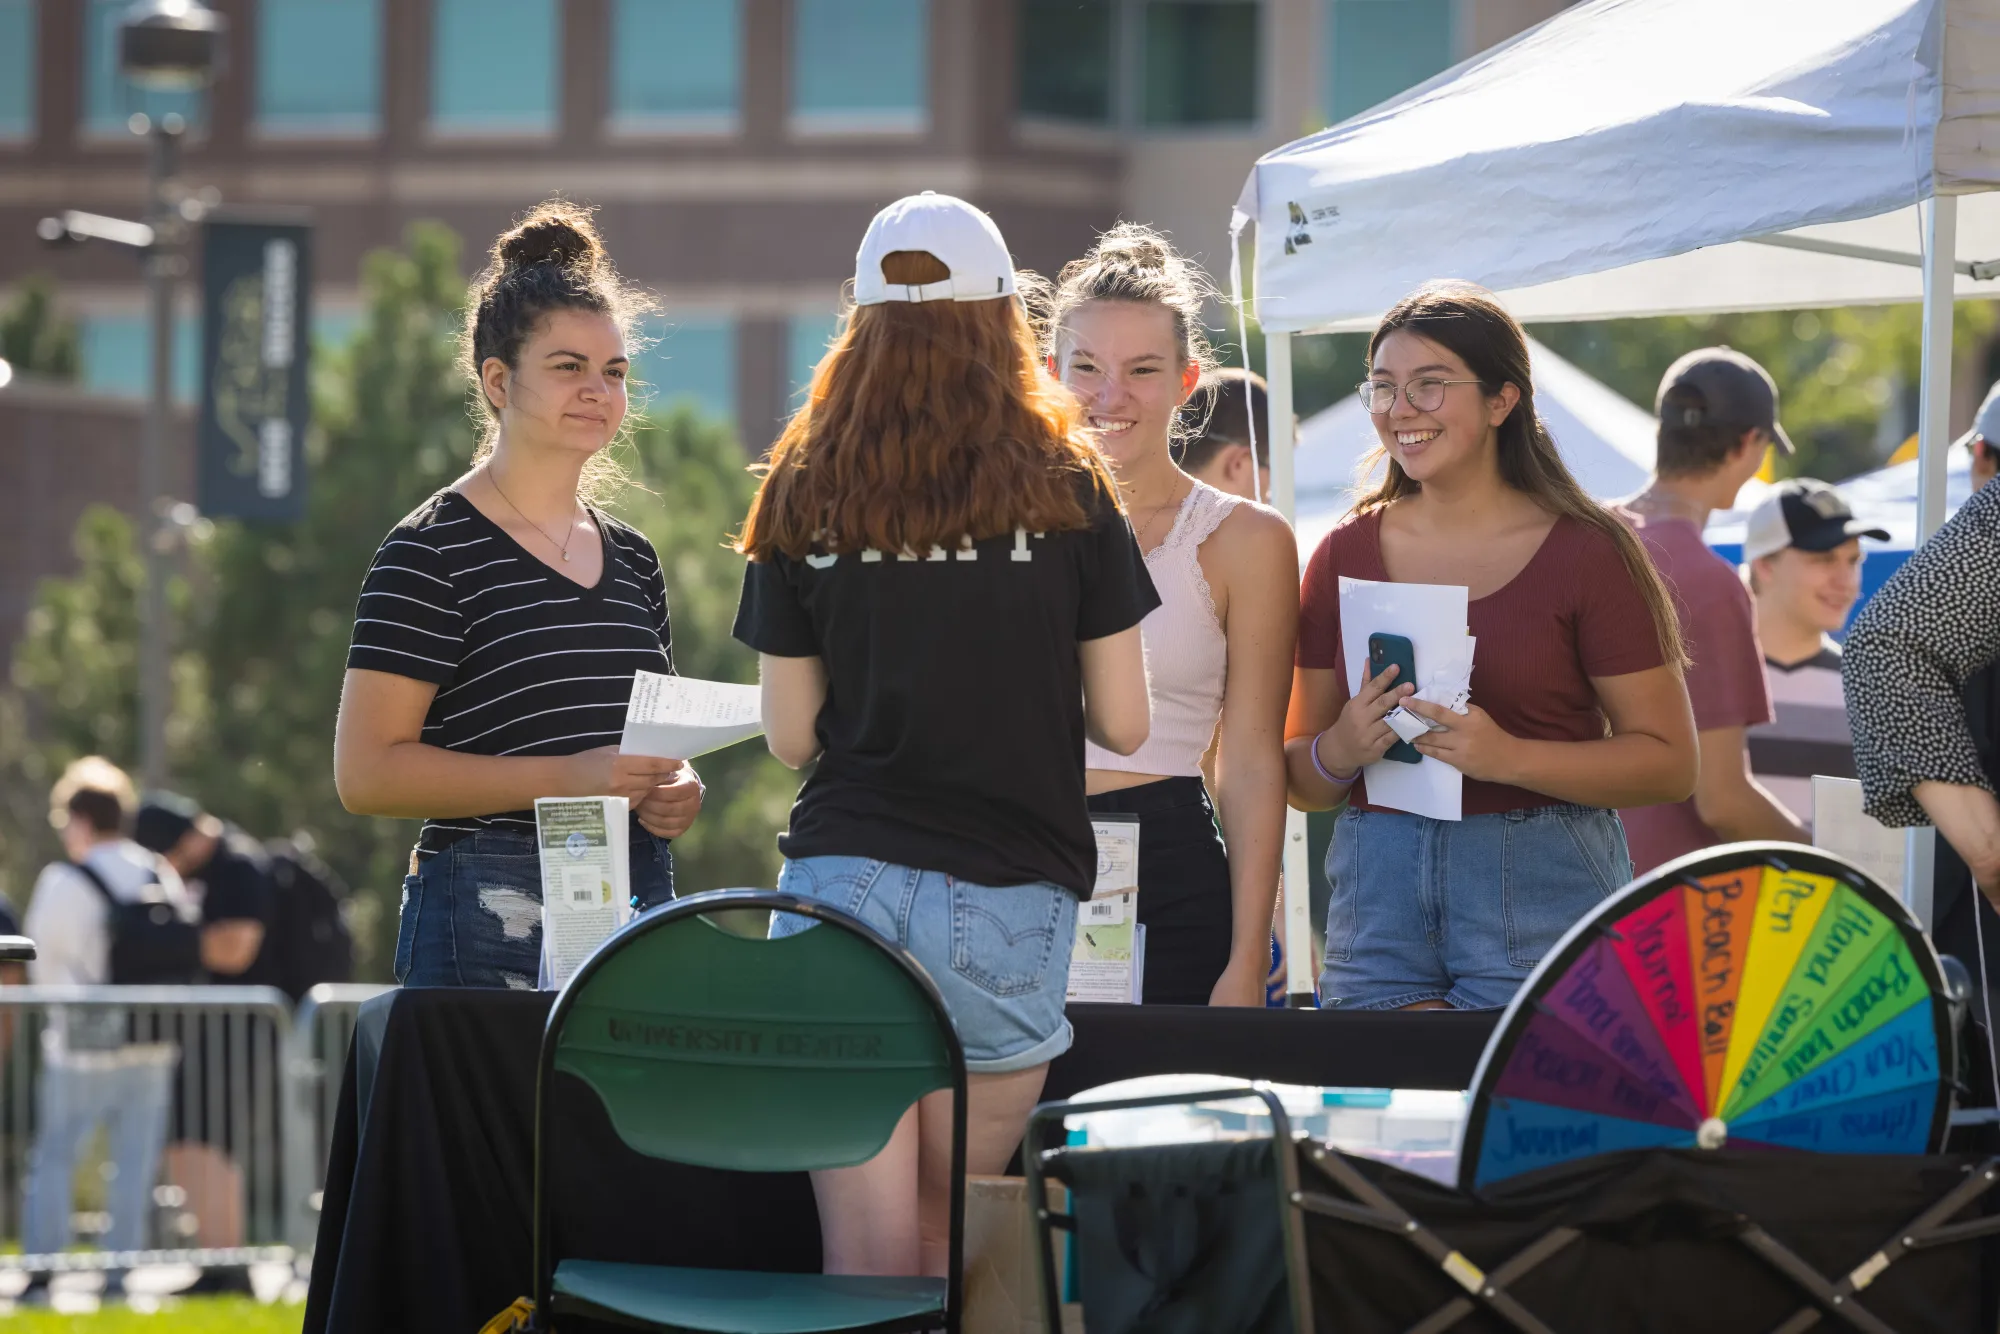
926, 423
1466, 319
550, 260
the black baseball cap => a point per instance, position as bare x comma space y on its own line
1734, 392
1806, 514
163, 817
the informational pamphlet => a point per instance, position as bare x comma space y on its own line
586, 879
1844, 829
678, 718
1108, 963
1432, 617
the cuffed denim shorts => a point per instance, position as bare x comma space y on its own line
472, 914
1459, 910
998, 954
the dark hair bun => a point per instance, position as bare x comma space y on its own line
557, 233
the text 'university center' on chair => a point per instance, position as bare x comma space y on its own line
711, 1045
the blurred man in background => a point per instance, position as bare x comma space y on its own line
1983, 440
1718, 413
1803, 552
1215, 423
228, 875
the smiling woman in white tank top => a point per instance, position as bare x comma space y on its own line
1126, 333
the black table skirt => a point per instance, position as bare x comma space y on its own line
426, 1224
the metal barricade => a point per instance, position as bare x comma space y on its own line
322, 1030
149, 1120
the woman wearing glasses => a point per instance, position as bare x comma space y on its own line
1578, 704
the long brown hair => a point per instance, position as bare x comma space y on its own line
1470, 321
926, 424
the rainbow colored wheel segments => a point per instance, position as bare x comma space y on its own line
1758, 995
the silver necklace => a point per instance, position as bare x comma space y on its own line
1147, 530
562, 546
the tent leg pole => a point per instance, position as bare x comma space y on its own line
1940, 217
1299, 979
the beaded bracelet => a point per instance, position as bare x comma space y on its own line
1338, 780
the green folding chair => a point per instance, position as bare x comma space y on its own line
713, 1046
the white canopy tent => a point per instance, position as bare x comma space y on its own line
1649, 157
1606, 439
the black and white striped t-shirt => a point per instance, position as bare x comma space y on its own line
526, 661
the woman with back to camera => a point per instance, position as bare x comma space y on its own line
501, 623
945, 599
1126, 337
1578, 704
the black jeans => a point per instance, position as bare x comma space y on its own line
1183, 887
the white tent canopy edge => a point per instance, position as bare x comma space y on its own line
1641, 157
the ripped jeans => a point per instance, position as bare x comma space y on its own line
472, 914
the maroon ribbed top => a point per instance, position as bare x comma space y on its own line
1573, 612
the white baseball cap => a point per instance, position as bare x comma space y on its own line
962, 238
1986, 424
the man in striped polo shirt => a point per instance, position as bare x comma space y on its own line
1803, 551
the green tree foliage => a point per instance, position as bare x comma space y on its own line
33, 337
267, 621
1841, 373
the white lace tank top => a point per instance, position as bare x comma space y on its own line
1186, 655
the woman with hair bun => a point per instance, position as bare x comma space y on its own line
500, 625
1126, 337
1578, 702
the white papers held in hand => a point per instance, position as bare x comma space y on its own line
677, 718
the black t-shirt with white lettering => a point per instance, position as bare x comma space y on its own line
526, 660
952, 734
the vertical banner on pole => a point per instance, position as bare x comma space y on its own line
255, 354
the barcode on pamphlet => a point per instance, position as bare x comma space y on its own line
1102, 912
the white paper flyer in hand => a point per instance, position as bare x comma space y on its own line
678, 718
1108, 965
1841, 827
586, 879
1432, 617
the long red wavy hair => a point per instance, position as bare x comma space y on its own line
926, 423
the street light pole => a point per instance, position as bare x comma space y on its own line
162, 271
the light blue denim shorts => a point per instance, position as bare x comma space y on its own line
1459, 910
999, 955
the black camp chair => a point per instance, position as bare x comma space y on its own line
1162, 1228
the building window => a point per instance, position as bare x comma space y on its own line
109, 100
1068, 55
676, 64
1379, 48
117, 355
493, 66
17, 69
691, 363
1198, 62
860, 65
319, 66
806, 341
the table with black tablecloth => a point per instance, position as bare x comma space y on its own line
426, 1223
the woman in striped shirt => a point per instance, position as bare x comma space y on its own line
500, 626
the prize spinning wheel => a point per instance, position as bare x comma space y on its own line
1759, 995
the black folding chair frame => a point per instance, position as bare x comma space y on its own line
1036, 1162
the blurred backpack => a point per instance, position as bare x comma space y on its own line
152, 942
309, 934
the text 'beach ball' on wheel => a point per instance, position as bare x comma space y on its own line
1759, 995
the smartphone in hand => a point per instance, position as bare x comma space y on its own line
1384, 652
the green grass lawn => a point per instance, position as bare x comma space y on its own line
196, 1315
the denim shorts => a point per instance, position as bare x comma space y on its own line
1459, 910
472, 914
999, 955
